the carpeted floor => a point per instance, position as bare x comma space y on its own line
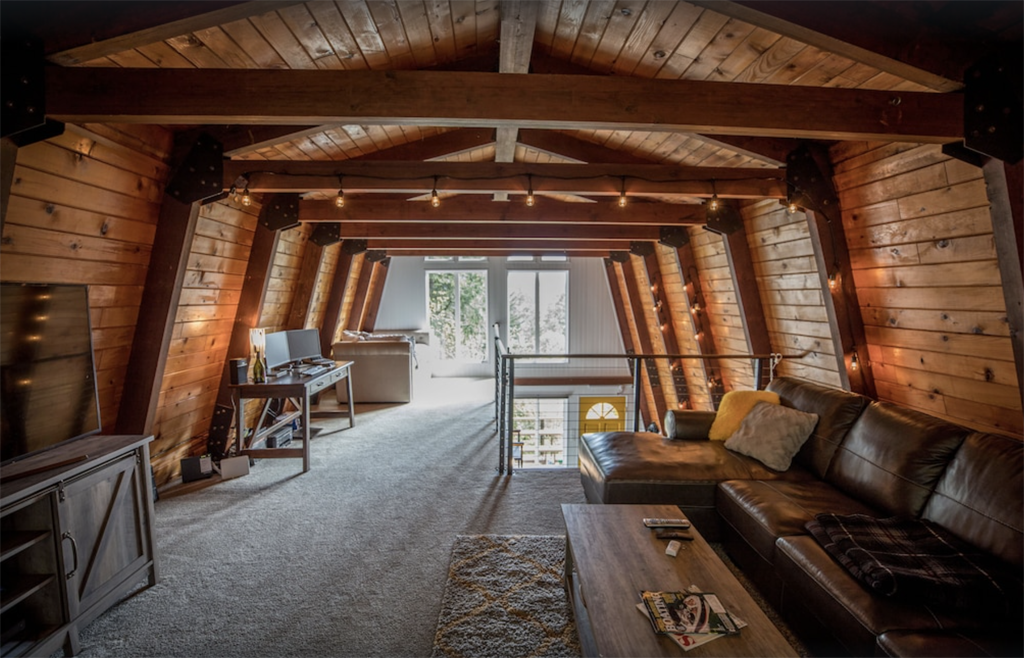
349, 559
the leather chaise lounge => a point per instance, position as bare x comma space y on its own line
862, 459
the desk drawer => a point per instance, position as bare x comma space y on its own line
320, 384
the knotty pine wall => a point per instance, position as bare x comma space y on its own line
920, 237
83, 209
791, 292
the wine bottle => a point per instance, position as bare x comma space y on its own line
259, 371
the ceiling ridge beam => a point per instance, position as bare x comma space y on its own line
558, 102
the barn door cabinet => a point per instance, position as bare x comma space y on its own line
77, 536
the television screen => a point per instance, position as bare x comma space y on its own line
48, 389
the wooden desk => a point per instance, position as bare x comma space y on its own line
295, 387
610, 557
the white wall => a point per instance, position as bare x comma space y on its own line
593, 328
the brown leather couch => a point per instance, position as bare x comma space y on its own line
863, 457
382, 369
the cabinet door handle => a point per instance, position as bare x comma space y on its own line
74, 554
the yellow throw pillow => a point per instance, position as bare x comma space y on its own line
733, 408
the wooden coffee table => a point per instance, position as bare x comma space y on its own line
610, 557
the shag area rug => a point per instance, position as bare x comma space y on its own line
504, 597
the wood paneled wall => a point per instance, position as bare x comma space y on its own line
83, 209
683, 325
202, 332
920, 237
721, 314
791, 292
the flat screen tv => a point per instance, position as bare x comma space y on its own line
48, 392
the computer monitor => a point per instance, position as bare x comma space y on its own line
304, 344
277, 353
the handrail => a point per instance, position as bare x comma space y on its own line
504, 374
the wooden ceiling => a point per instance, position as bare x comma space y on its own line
671, 102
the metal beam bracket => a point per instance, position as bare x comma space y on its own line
326, 233
993, 108
724, 219
280, 212
809, 183
674, 236
353, 247
201, 173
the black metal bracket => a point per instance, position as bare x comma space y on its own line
723, 220
376, 255
353, 247
673, 236
619, 256
201, 172
640, 248
810, 183
280, 211
994, 107
219, 438
326, 233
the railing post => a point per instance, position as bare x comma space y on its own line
509, 411
501, 413
758, 367
638, 365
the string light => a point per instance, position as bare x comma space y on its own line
246, 197
854, 364
622, 194
713, 205
529, 194
339, 200
435, 200
833, 280
791, 208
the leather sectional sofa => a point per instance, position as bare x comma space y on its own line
863, 459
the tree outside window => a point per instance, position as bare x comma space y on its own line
457, 305
538, 311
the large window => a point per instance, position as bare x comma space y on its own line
538, 311
457, 305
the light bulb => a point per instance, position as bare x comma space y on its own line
530, 200
853, 361
713, 205
622, 200
434, 199
833, 281
791, 208
246, 197
339, 200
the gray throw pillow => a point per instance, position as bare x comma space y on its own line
772, 434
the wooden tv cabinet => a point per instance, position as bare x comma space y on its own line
76, 524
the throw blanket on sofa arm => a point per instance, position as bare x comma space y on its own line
915, 560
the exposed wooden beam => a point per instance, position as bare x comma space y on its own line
1003, 185
247, 316
335, 300
772, 150
637, 301
464, 231
481, 210
312, 257
563, 146
445, 246
559, 102
447, 144
667, 330
354, 322
486, 177
88, 32
155, 324
867, 33
8, 158
518, 25
703, 333
380, 277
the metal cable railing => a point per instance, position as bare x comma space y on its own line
505, 383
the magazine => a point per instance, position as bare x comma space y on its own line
689, 641
688, 612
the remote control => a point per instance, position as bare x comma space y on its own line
673, 533
666, 523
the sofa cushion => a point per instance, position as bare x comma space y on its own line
688, 424
838, 602
733, 408
893, 456
951, 644
632, 465
912, 560
989, 516
837, 411
762, 511
772, 434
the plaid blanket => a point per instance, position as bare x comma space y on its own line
915, 560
